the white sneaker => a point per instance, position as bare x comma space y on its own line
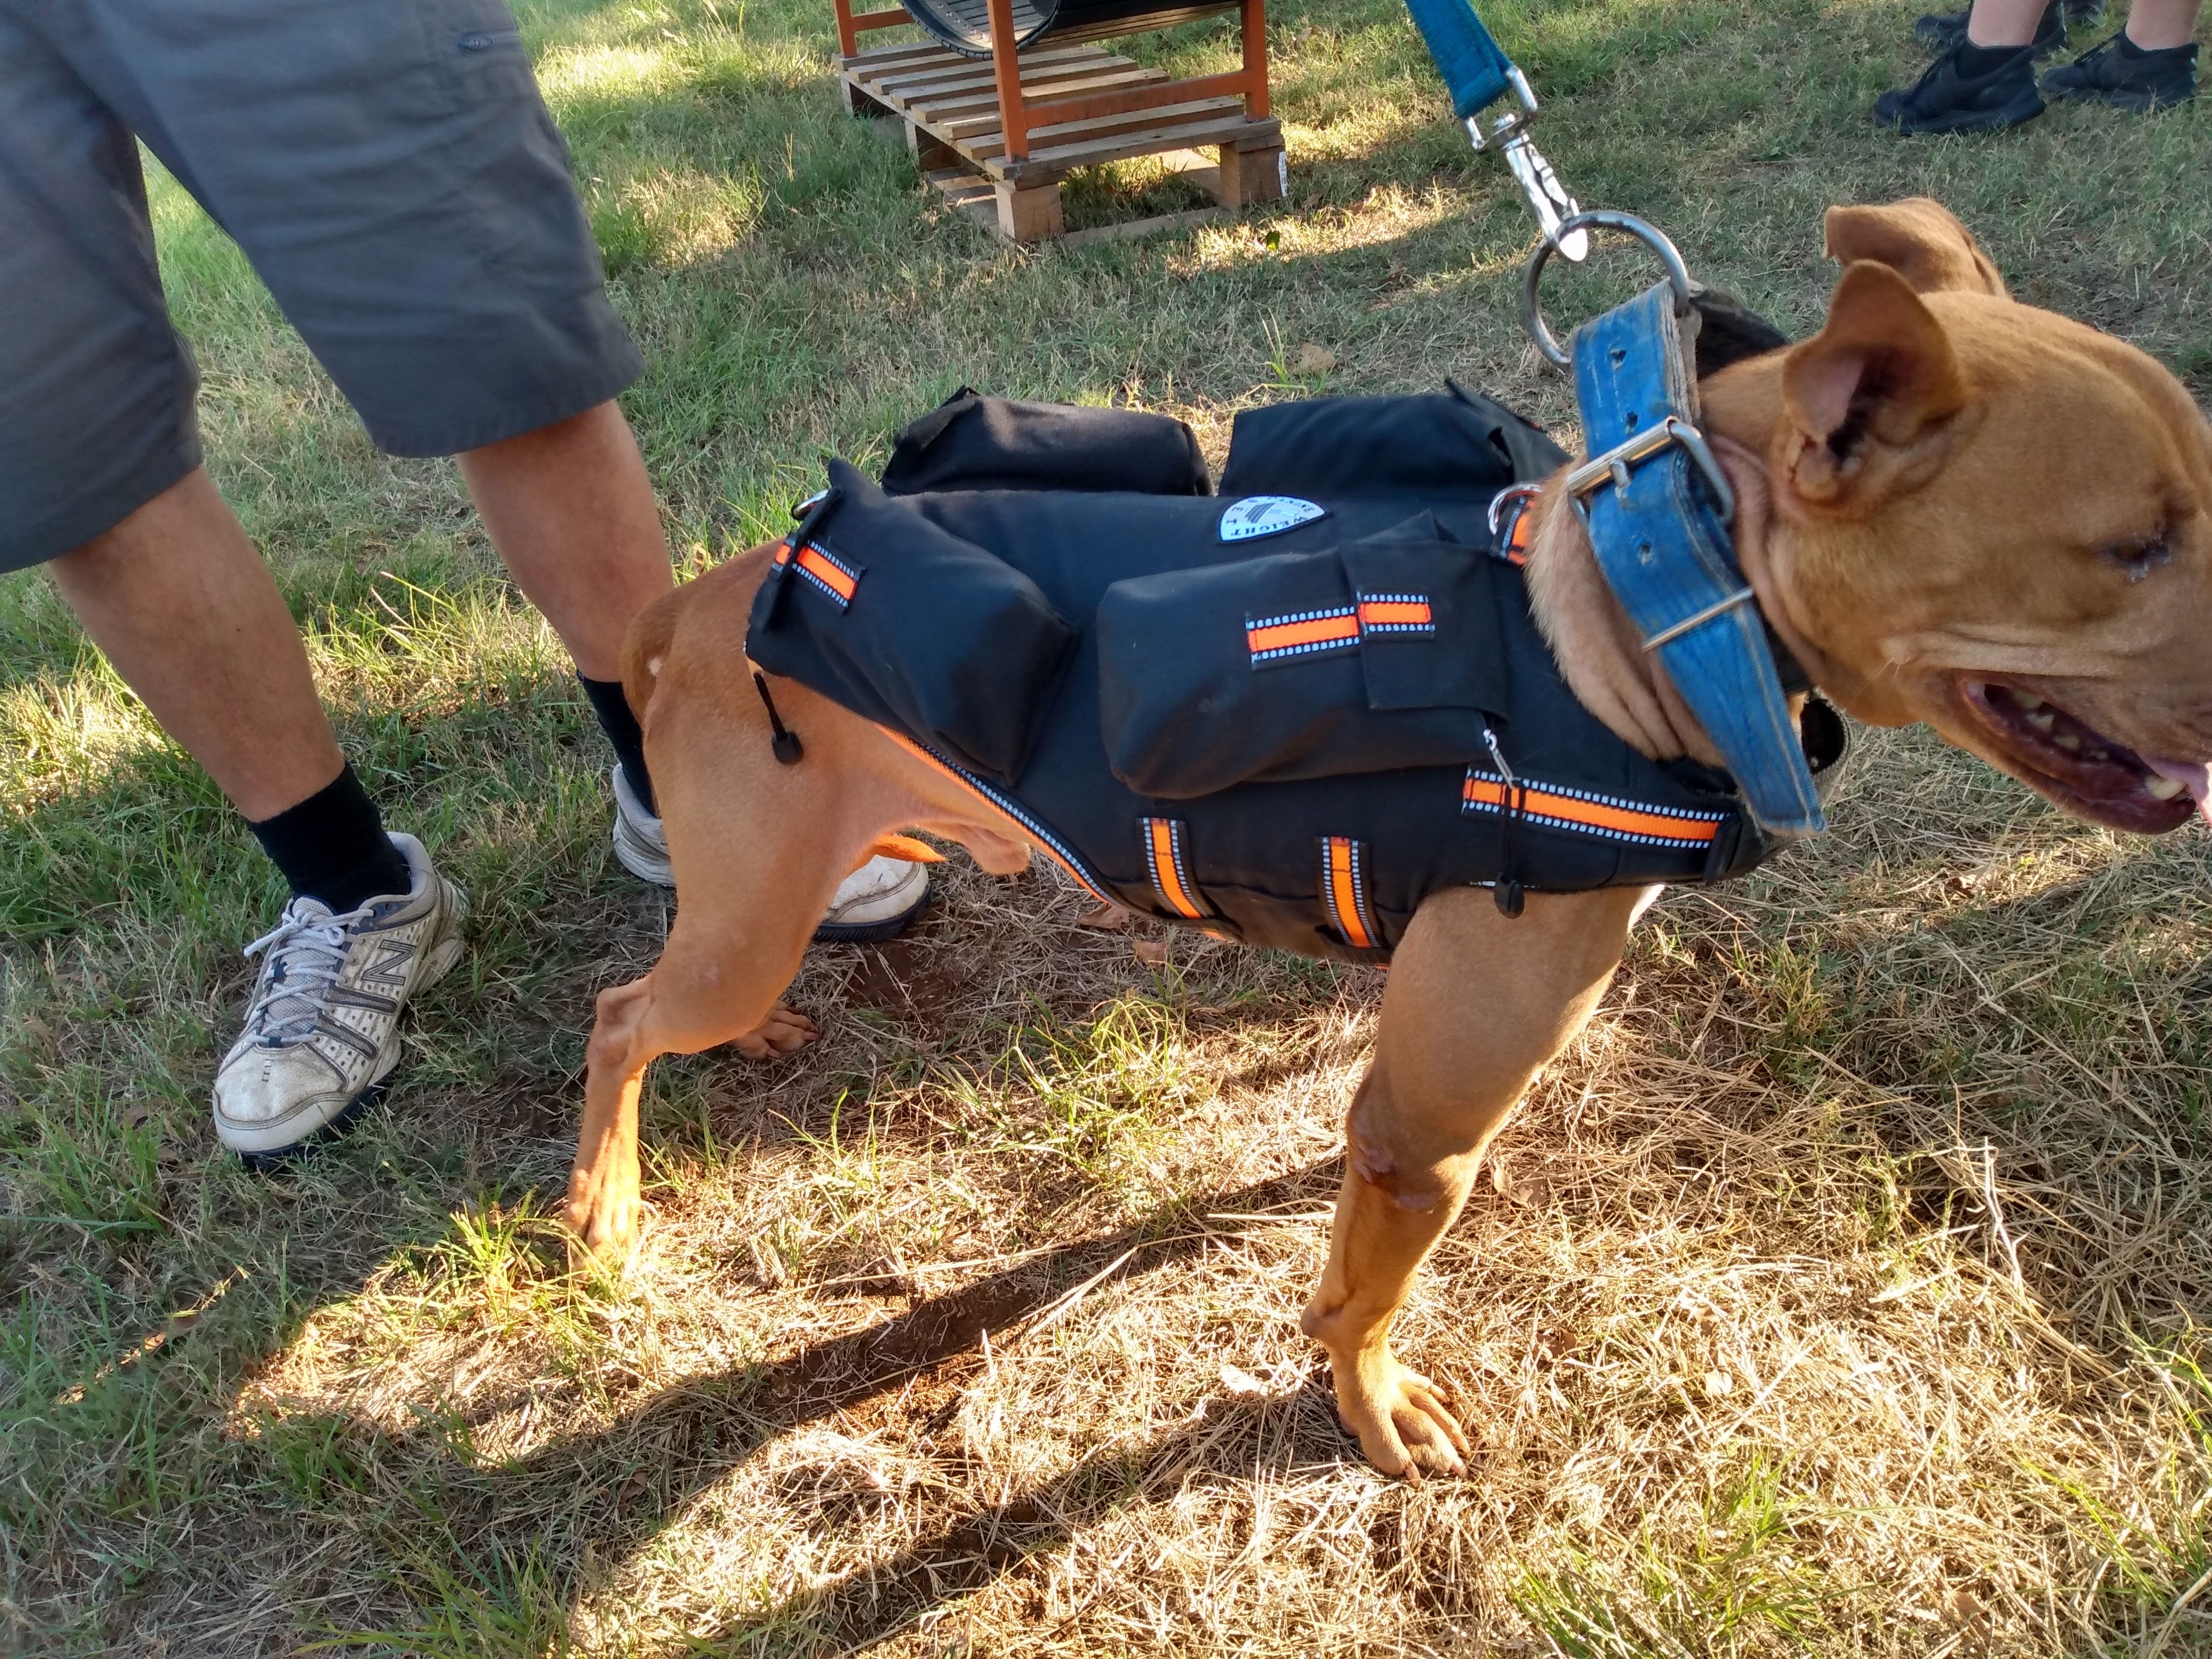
640, 844
876, 900
322, 1029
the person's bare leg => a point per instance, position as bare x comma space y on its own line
187, 612
572, 511
2162, 25
2004, 22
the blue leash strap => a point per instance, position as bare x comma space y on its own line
1478, 73
1467, 56
1657, 507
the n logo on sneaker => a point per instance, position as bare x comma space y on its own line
390, 967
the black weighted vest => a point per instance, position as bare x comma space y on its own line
1291, 738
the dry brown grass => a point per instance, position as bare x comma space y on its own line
1841, 1292
1832, 1295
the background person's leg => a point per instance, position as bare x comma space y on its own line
1985, 81
2162, 25
2004, 22
2151, 64
571, 511
182, 606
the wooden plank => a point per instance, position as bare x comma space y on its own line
934, 105
980, 135
910, 51
1061, 159
1131, 228
1149, 20
982, 145
1045, 54
968, 74
1119, 102
880, 19
952, 113
942, 90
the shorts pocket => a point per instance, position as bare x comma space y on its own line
1375, 655
910, 626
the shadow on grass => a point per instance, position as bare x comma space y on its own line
519, 1535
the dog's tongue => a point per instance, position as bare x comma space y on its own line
2195, 776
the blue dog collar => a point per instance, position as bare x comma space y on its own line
1657, 507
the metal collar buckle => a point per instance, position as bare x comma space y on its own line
1614, 463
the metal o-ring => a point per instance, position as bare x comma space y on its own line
1532, 316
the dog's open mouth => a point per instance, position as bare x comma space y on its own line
2082, 769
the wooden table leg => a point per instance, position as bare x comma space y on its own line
1031, 213
1006, 68
1252, 175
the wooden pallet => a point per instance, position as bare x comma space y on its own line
1074, 106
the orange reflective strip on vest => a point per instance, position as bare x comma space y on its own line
828, 574
1302, 633
1596, 814
1343, 890
1170, 876
1397, 612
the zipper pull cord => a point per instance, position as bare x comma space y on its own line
1508, 892
785, 745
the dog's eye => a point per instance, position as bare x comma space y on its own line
2141, 555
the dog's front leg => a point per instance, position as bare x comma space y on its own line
1476, 1005
603, 1188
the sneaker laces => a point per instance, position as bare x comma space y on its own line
1929, 75
2093, 59
307, 951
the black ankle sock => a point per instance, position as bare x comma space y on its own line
332, 846
623, 735
1975, 61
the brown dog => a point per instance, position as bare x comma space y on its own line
1953, 508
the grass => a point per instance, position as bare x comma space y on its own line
1843, 1291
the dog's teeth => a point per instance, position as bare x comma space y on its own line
2044, 721
2163, 788
2067, 741
2025, 699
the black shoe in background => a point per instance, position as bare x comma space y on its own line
1942, 30
1963, 91
2119, 73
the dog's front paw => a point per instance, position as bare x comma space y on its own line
783, 1032
1403, 1420
604, 1209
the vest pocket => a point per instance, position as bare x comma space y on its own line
880, 610
1380, 653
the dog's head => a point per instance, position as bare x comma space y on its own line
1996, 520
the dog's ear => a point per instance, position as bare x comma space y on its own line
1922, 241
1860, 395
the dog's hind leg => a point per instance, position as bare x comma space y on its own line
1477, 1004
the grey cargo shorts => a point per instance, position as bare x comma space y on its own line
388, 167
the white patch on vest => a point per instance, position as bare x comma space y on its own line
1256, 516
